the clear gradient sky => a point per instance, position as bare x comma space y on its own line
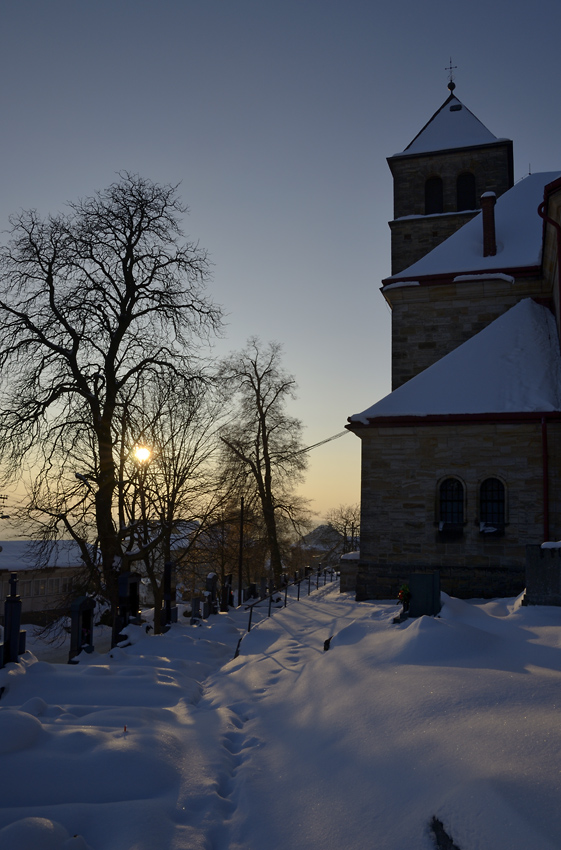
277, 117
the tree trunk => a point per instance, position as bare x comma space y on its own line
272, 541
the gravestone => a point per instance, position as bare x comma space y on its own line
195, 609
226, 595
129, 602
168, 614
212, 593
14, 637
425, 594
206, 605
81, 626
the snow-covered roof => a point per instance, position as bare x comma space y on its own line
518, 230
18, 555
512, 365
451, 126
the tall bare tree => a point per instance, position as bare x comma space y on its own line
95, 305
169, 479
346, 521
263, 446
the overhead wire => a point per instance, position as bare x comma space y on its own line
322, 442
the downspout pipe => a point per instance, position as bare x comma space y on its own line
557, 227
542, 213
545, 481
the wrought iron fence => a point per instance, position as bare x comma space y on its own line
317, 578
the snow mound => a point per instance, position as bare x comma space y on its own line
39, 834
353, 633
35, 706
18, 731
430, 640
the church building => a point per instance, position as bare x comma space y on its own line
461, 463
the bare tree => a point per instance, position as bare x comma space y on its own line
346, 521
263, 444
95, 305
169, 480
217, 547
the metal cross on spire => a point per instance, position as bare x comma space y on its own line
451, 68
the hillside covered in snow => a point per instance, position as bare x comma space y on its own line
172, 743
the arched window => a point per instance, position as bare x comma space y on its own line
492, 506
433, 196
465, 192
450, 504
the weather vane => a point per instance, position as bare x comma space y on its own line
451, 68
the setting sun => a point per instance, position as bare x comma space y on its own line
141, 453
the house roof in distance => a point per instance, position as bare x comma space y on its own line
18, 555
451, 126
519, 234
511, 366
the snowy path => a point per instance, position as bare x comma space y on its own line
288, 747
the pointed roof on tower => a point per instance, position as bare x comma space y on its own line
451, 126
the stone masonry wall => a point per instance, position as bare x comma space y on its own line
382, 581
491, 166
430, 321
401, 470
412, 238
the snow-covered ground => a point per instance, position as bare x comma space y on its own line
289, 747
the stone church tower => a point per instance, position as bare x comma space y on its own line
440, 177
461, 462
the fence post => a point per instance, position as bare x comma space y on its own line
298, 596
285, 593
250, 616
270, 603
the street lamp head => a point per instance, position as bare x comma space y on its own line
142, 453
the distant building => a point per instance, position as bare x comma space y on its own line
42, 589
323, 545
461, 463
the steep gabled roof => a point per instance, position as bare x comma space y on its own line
519, 232
451, 126
511, 366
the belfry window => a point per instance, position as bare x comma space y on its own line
434, 196
492, 503
465, 192
450, 505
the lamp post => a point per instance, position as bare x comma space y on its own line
142, 455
